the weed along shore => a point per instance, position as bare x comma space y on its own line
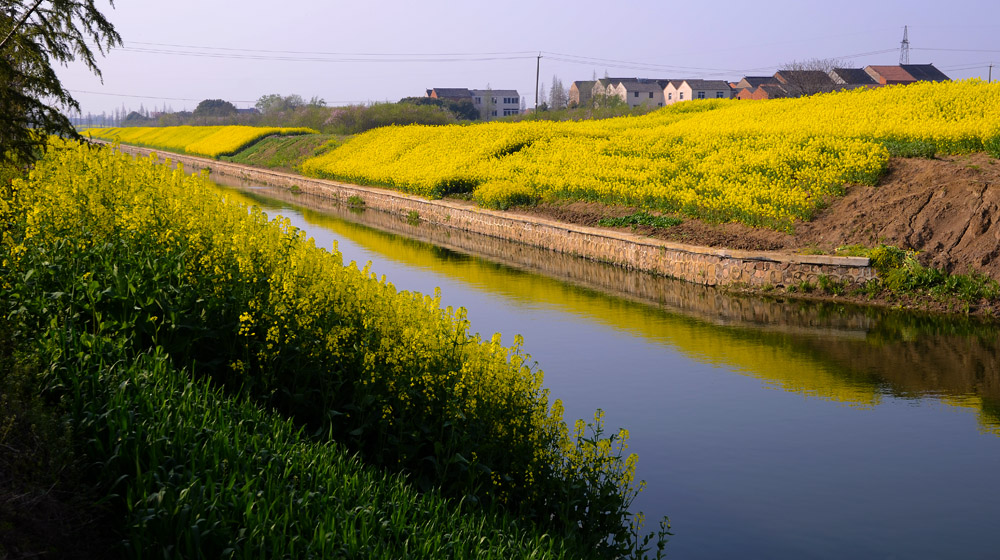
701, 265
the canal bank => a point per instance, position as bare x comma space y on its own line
699, 265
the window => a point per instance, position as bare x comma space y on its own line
659, 104
494, 99
701, 95
681, 97
509, 112
720, 95
650, 95
479, 101
636, 94
494, 113
670, 96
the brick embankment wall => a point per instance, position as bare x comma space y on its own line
701, 265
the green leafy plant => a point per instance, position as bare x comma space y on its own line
641, 218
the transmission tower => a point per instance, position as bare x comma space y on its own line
904, 48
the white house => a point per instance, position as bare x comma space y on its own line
686, 90
493, 103
633, 91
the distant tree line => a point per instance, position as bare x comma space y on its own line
295, 111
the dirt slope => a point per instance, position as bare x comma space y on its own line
948, 209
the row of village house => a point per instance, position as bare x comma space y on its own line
652, 92
784, 83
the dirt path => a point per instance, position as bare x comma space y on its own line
947, 209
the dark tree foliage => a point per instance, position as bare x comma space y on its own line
464, 109
276, 103
214, 108
33, 36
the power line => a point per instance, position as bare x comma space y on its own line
145, 96
321, 53
158, 98
201, 51
958, 50
630, 64
305, 56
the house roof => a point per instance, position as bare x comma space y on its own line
708, 85
615, 81
450, 92
643, 86
889, 74
754, 81
584, 85
773, 91
852, 76
925, 72
496, 92
816, 77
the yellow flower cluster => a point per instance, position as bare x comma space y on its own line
298, 322
763, 163
210, 141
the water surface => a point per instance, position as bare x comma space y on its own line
765, 429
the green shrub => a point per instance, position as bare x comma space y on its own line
908, 148
641, 218
356, 119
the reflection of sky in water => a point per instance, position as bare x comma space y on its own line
743, 469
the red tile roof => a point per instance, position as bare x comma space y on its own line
891, 74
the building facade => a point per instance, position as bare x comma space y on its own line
491, 103
686, 90
496, 103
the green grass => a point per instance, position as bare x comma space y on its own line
900, 272
203, 475
641, 218
285, 153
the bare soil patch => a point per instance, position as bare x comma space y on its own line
947, 209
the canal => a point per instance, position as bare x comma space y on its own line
764, 428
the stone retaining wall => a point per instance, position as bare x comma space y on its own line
704, 303
701, 265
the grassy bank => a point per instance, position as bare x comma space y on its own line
187, 471
903, 282
129, 278
286, 153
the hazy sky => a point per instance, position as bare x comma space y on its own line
180, 52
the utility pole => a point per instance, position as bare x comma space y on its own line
904, 48
990, 79
538, 69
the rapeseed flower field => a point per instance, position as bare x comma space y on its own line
763, 163
209, 141
253, 306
